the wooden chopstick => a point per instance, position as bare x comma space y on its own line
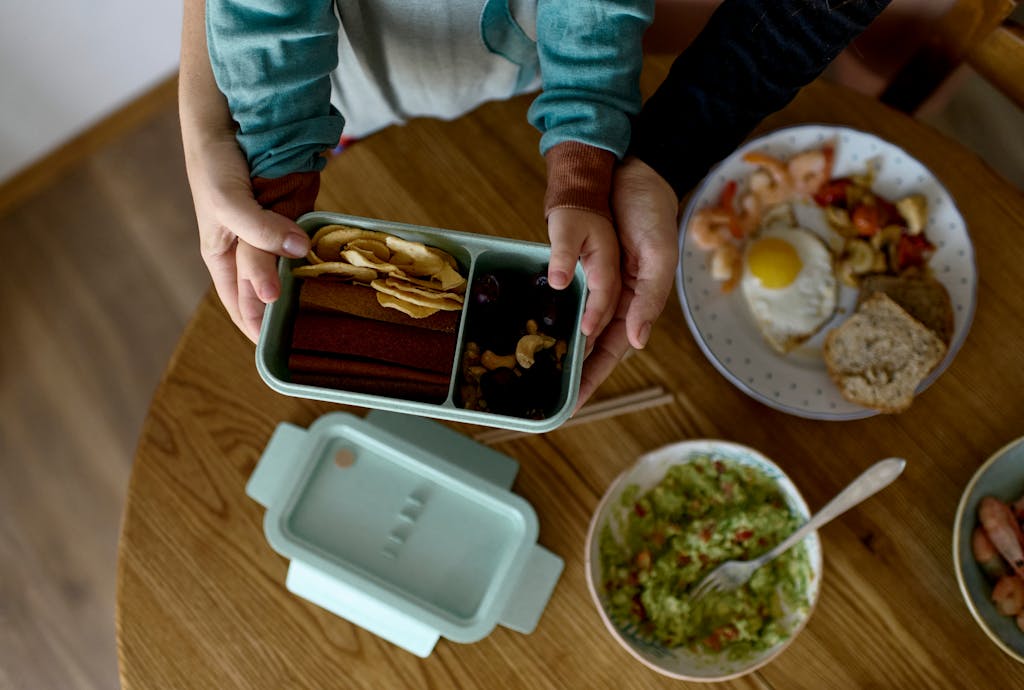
622, 404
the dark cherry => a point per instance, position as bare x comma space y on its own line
486, 290
503, 392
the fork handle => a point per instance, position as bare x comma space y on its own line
870, 482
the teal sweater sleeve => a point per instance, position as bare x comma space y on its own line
272, 59
591, 54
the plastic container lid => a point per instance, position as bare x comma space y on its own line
404, 527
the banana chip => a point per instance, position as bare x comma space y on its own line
416, 311
415, 257
436, 301
330, 239
338, 268
408, 276
360, 257
405, 286
376, 247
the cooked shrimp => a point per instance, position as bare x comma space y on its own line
992, 564
1008, 595
711, 227
1002, 529
810, 169
771, 182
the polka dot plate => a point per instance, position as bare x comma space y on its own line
798, 382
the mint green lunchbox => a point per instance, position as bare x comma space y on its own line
403, 527
476, 255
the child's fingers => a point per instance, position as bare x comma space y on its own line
603, 286
224, 272
567, 238
581, 235
264, 229
257, 286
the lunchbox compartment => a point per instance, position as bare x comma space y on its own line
507, 300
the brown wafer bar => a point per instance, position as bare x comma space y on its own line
331, 295
340, 365
344, 334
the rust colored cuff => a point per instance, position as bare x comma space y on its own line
291, 195
579, 176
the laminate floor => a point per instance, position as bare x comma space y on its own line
101, 272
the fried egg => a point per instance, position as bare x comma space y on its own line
789, 284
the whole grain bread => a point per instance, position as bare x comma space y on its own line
879, 356
923, 297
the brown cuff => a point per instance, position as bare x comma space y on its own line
579, 176
291, 195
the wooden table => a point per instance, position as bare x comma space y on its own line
201, 597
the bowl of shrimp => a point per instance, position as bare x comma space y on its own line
988, 547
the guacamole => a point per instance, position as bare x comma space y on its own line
701, 514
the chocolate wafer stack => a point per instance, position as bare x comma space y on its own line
344, 338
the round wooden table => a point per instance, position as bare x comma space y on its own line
201, 600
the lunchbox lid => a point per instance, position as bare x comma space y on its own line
404, 527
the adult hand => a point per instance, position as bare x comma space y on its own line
238, 239
645, 208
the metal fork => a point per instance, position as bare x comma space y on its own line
732, 574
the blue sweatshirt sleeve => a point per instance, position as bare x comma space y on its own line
751, 59
272, 59
591, 54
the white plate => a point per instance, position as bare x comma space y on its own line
798, 382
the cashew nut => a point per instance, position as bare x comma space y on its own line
529, 345
860, 256
914, 209
561, 347
839, 219
886, 236
492, 361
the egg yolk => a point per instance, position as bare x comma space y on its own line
774, 262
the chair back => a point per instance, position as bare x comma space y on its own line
979, 33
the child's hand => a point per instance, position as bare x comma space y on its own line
590, 238
239, 240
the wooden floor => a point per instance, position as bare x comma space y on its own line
101, 271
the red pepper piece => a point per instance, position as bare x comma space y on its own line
833, 192
865, 218
913, 250
728, 195
888, 214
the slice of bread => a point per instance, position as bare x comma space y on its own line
923, 297
879, 356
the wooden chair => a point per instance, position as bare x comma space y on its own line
978, 33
